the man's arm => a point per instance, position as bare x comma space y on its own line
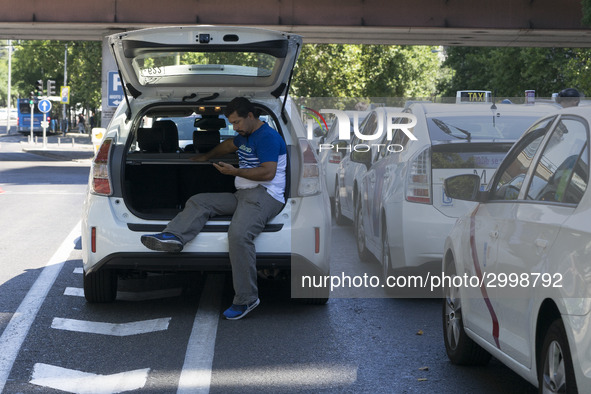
220, 150
265, 172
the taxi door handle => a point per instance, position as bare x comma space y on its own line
541, 243
494, 234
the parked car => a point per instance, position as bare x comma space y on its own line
528, 242
332, 149
181, 78
403, 215
350, 172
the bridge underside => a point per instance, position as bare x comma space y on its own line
332, 34
546, 23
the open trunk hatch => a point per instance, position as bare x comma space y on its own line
193, 62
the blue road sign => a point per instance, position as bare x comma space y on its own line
115, 89
44, 106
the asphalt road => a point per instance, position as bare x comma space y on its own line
165, 330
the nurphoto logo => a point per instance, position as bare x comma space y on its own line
387, 121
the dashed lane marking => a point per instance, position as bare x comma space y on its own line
114, 329
18, 327
196, 373
73, 381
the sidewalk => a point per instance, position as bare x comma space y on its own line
71, 147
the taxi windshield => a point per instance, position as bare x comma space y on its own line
478, 127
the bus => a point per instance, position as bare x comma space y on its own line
24, 117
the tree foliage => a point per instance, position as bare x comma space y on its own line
511, 71
331, 70
43, 59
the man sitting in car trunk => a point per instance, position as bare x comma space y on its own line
259, 196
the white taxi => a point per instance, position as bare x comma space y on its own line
178, 81
517, 265
402, 215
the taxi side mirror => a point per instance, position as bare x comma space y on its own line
363, 157
463, 187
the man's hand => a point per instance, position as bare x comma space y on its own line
225, 168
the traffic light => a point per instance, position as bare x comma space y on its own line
32, 98
39, 86
50, 87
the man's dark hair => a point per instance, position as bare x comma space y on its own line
242, 106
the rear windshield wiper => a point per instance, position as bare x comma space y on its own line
446, 128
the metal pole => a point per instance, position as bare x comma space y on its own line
44, 130
8, 90
64, 119
32, 106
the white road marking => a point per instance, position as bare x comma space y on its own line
80, 382
196, 373
286, 376
78, 270
114, 329
17, 329
74, 291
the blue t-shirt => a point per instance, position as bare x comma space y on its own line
264, 144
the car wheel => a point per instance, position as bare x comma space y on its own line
364, 254
100, 286
556, 373
461, 350
338, 215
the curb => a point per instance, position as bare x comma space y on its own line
82, 155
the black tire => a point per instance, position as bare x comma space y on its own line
100, 286
364, 254
338, 215
556, 357
461, 350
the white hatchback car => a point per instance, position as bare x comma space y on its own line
518, 263
402, 215
349, 173
331, 150
179, 80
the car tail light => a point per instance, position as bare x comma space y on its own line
335, 157
418, 181
101, 176
310, 170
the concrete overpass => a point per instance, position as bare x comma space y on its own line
422, 22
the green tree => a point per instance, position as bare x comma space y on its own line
4, 74
578, 71
34, 60
84, 73
331, 70
507, 71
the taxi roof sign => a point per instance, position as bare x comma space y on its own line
473, 96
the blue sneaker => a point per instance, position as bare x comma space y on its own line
164, 242
236, 312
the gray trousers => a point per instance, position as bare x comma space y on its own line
251, 210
